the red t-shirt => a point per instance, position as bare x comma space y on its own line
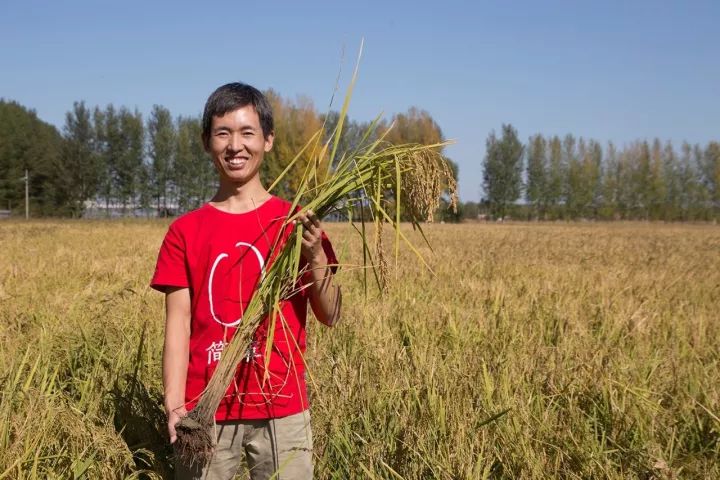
221, 256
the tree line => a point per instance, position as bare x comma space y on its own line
570, 178
111, 161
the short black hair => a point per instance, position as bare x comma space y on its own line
232, 96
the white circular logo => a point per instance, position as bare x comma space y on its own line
218, 259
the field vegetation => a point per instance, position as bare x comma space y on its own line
533, 351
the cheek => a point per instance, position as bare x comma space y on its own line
217, 146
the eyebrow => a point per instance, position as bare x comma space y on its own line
228, 129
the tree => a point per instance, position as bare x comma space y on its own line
655, 182
610, 183
711, 173
418, 126
502, 170
671, 206
24, 139
194, 173
352, 133
161, 151
572, 185
78, 170
592, 179
295, 124
553, 192
128, 169
415, 126
536, 174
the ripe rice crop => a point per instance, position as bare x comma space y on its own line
533, 351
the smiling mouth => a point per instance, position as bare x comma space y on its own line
236, 163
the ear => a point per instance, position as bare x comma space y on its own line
269, 141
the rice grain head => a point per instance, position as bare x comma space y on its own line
427, 176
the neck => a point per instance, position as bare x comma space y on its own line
239, 198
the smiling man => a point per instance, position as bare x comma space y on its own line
209, 265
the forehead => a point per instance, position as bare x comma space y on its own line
241, 117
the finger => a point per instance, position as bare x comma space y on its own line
309, 236
314, 219
307, 224
301, 218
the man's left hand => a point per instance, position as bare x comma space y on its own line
312, 248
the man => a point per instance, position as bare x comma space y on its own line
210, 262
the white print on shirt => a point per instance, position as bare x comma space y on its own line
215, 350
261, 262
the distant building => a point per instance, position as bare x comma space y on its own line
102, 209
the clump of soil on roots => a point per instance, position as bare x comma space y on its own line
195, 441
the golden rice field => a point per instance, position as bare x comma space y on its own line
534, 351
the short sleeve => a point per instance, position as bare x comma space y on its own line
171, 267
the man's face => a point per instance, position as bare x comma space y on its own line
237, 144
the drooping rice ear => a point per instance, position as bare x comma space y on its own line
424, 179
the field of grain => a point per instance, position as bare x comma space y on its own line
534, 351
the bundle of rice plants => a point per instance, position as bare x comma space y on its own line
369, 178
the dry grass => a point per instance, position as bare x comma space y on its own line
599, 342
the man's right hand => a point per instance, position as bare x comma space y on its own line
174, 416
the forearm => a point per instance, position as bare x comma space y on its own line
325, 297
175, 362
176, 351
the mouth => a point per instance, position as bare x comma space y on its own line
236, 163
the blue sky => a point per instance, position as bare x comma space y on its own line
611, 70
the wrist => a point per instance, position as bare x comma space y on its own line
173, 405
318, 260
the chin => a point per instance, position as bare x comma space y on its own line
241, 177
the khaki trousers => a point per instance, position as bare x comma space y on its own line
277, 449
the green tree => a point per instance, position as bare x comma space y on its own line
537, 174
78, 170
573, 177
711, 174
502, 170
610, 183
592, 175
553, 193
583, 187
656, 190
24, 139
671, 207
130, 168
194, 173
161, 152
703, 194
109, 148
352, 133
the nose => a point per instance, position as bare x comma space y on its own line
236, 143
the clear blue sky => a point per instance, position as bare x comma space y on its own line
610, 70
